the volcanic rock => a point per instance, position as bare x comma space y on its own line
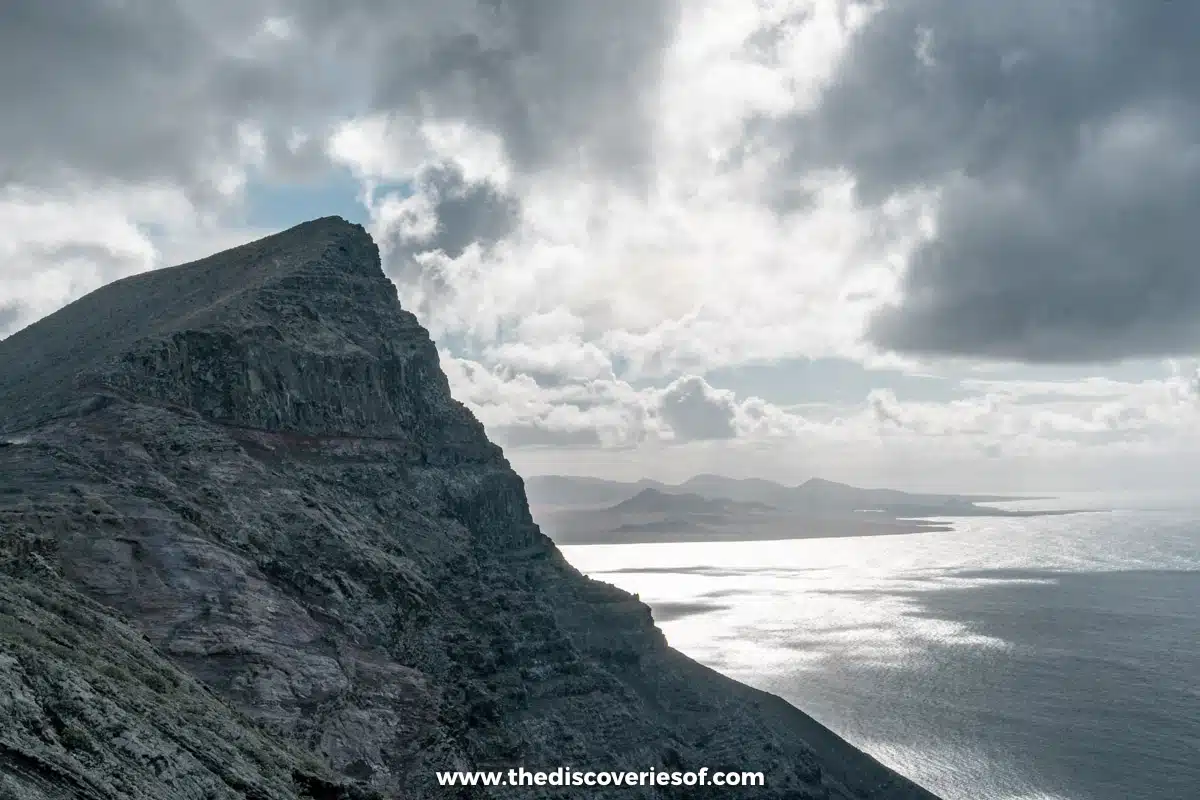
251, 547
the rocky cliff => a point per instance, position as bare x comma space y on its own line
250, 547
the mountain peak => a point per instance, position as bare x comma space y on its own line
298, 331
655, 501
651, 500
822, 483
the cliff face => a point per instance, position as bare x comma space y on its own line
251, 547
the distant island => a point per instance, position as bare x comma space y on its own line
579, 510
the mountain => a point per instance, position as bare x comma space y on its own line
251, 547
653, 515
664, 518
746, 490
655, 501
568, 491
715, 508
815, 494
829, 493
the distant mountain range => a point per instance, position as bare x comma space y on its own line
578, 510
570, 491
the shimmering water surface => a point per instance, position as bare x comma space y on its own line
1048, 657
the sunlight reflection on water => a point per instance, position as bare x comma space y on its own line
936, 652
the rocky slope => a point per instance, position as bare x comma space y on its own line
251, 547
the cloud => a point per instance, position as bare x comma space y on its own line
257, 82
604, 411
98, 109
517, 158
441, 213
520, 411
555, 79
604, 211
674, 276
1043, 417
1090, 431
1061, 144
980, 415
696, 411
466, 213
533, 435
451, 99
438, 218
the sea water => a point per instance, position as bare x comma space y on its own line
1037, 658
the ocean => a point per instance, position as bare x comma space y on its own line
1043, 658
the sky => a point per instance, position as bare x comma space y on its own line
928, 244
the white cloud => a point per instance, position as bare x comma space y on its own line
380, 146
994, 436
686, 272
588, 222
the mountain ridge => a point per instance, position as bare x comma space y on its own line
555, 490
652, 500
245, 480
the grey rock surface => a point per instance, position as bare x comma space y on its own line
250, 546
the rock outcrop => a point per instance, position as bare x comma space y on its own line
250, 547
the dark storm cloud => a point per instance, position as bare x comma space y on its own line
466, 212
1065, 139
154, 89
135, 90
551, 76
